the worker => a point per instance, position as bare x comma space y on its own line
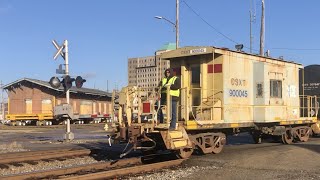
174, 82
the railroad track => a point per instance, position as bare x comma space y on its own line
33, 156
101, 170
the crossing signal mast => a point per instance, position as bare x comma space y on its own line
66, 80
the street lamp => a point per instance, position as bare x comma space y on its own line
160, 17
175, 26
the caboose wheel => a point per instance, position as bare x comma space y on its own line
184, 153
305, 138
218, 148
287, 137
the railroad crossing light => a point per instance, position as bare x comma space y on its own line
80, 81
55, 82
67, 82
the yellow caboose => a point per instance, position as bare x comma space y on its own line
222, 92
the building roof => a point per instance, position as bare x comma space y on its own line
72, 89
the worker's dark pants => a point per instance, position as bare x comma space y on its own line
173, 114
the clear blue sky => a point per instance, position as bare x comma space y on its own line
103, 34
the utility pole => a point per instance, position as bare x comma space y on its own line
262, 30
252, 19
2, 103
177, 24
107, 86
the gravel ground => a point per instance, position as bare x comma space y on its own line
42, 165
12, 147
171, 174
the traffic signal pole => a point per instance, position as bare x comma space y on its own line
69, 135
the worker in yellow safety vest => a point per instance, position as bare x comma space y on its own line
174, 83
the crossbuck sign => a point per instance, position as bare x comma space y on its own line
59, 49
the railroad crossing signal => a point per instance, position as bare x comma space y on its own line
67, 82
80, 81
55, 82
63, 50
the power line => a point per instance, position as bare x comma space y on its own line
297, 49
209, 23
215, 29
230, 39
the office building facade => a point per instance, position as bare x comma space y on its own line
146, 72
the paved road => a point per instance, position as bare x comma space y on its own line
244, 160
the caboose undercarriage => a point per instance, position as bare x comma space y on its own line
184, 142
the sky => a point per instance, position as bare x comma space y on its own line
103, 34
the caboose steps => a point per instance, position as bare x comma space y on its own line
176, 139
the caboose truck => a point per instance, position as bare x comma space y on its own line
222, 92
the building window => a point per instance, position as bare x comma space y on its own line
259, 90
275, 88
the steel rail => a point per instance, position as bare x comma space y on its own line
73, 170
41, 155
128, 170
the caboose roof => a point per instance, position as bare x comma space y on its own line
198, 50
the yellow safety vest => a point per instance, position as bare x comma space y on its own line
171, 81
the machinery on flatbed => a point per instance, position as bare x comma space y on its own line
222, 92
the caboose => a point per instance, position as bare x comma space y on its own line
222, 92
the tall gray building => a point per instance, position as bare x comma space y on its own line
147, 71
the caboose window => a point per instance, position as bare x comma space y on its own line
195, 78
275, 88
259, 90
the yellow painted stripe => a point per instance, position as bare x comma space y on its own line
234, 125
284, 122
